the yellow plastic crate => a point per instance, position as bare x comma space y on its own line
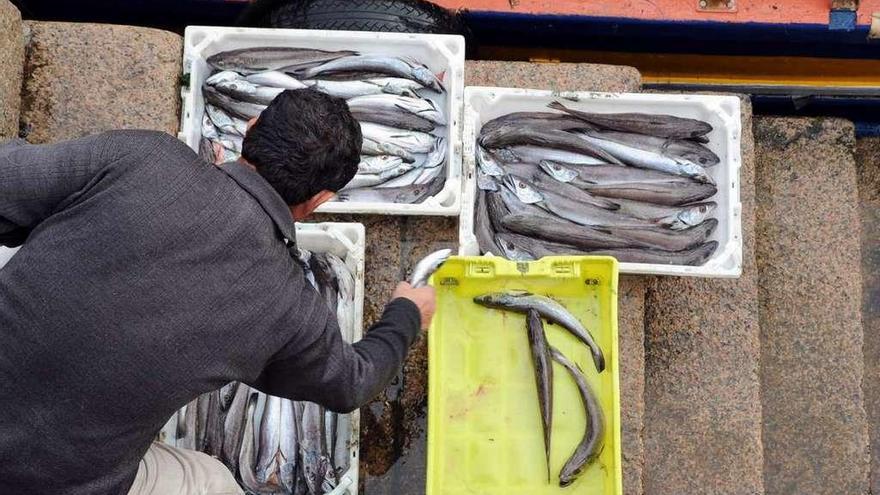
484, 426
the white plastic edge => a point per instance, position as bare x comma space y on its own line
452, 47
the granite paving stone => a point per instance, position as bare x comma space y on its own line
868, 168
11, 66
631, 337
702, 391
810, 292
80, 79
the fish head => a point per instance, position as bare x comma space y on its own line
522, 189
493, 300
696, 172
698, 154
568, 476
558, 171
487, 163
486, 182
507, 155
511, 251
222, 76
424, 75
695, 214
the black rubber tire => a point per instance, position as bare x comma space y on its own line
396, 16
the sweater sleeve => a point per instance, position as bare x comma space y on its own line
318, 366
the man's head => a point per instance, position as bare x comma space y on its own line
306, 145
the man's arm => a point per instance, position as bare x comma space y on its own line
342, 376
36, 179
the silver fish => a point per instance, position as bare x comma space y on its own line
541, 360
222, 76
486, 182
202, 404
545, 120
522, 302
371, 147
224, 122
535, 176
575, 211
326, 278
275, 79
404, 195
242, 109
206, 150
488, 164
673, 217
393, 117
261, 59
288, 447
590, 446
514, 251
548, 138
392, 66
233, 427
668, 240
483, 225
496, 209
695, 256
424, 108
345, 283
535, 154
213, 429
353, 89
427, 266
634, 184
246, 459
369, 180
647, 159
409, 178
319, 474
412, 141
342, 446
665, 126
378, 164
537, 247
270, 442
208, 129
674, 148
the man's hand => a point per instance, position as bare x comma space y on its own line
423, 297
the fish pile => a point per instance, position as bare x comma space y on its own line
274, 445
536, 308
630, 185
397, 100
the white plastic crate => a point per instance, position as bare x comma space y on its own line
441, 53
482, 104
348, 241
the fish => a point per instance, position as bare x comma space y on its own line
549, 138
634, 184
378, 163
222, 76
326, 279
681, 149
541, 360
186, 436
569, 209
483, 226
514, 251
545, 120
234, 426
227, 395
535, 154
208, 129
246, 459
695, 256
213, 430
393, 117
665, 126
231, 142
496, 209
201, 410
206, 150
319, 474
416, 176
288, 448
345, 295
245, 91
488, 164
423, 108
415, 193
224, 123
331, 421
275, 79
672, 217
262, 59
647, 158
368, 180
539, 248
538, 178
412, 141
353, 89
241, 109
270, 442
665, 239
486, 182
393, 66
590, 446
427, 266
378, 147
342, 446
552, 311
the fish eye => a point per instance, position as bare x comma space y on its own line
703, 160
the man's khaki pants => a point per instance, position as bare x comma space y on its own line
166, 470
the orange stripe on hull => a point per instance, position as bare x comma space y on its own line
773, 12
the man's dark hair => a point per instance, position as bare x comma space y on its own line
303, 143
